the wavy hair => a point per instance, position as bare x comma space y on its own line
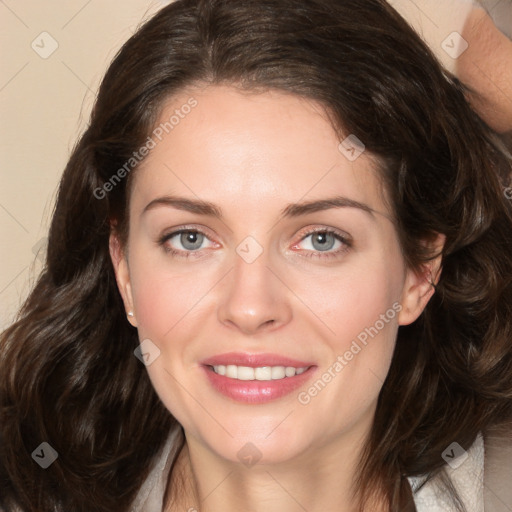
68, 374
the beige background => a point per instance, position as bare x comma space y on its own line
45, 103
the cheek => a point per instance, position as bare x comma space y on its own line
164, 292
167, 304
342, 301
360, 306
163, 301
362, 310
350, 300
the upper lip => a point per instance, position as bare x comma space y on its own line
254, 360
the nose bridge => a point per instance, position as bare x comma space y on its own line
253, 298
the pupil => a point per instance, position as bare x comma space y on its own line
322, 240
191, 240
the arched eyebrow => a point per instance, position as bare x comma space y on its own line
304, 208
292, 210
189, 205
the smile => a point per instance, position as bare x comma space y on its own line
261, 373
257, 385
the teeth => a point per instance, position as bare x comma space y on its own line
261, 373
289, 371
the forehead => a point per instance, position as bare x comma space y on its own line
225, 145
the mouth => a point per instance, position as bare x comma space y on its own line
260, 373
256, 379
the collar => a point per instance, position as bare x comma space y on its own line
466, 471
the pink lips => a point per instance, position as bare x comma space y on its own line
256, 391
254, 360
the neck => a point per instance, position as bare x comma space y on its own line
316, 480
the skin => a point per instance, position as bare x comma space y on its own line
252, 155
486, 66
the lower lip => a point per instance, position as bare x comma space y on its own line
256, 391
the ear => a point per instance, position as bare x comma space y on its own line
120, 263
419, 285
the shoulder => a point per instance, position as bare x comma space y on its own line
482, 476
498, 468
151, 494
463, 473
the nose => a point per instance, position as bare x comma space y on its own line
253, 299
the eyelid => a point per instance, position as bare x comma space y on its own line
185, 228
325, 229
163, 238
341, 236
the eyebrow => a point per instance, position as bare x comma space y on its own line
201, 207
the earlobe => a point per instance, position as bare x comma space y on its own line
120, 264
420, 285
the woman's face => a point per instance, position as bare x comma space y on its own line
259, 279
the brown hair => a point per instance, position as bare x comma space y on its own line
68, 374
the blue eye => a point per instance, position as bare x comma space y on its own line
190, 239
323, 241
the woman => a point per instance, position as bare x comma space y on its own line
278, 277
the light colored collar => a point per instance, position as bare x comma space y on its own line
151, 494
466, 471
468, 479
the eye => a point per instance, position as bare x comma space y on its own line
324, 240
187, 242
183, 242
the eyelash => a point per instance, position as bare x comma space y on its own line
345, 240
347, 243
176, 253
